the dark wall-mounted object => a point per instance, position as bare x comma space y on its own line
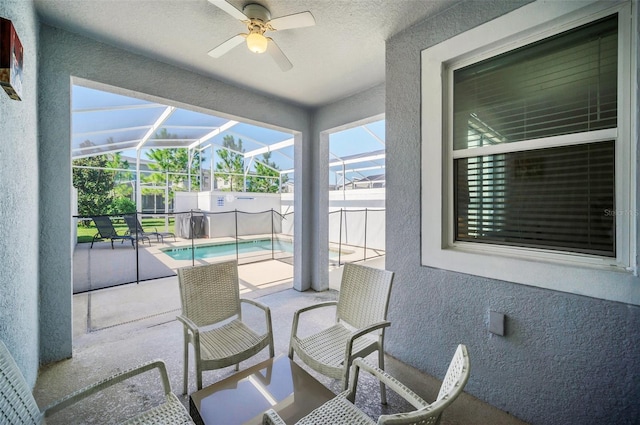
11, 56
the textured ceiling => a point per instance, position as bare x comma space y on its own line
344, 53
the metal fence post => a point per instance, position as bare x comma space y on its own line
137, 252
365, 234
237, 252
272, 236
340, 241
192, 226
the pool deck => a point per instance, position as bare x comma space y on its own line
101, 267
158, 300
348, 253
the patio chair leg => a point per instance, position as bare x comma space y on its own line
198, 375
345, 377
383, 389
185, 376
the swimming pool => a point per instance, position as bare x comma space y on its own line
229, 248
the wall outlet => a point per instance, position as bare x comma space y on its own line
496, 323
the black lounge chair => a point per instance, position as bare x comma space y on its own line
107, 231
135, 228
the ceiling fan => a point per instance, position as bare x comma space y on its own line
258, 21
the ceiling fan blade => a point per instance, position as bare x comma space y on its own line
227, 45
297, 20
277, 55
222, 4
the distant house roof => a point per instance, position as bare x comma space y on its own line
373, 178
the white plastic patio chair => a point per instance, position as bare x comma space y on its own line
17, 405
360, 321
342, 410
210, 296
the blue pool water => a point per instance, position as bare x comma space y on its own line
220, 250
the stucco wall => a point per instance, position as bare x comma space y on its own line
566, 359
65, 56
336, 116
19, 202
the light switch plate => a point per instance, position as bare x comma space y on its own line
496, 323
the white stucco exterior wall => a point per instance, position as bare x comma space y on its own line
19, 201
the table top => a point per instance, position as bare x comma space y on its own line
242, 398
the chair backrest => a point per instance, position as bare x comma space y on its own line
210, 293
17, 405
364, 295
105, 226
133, 224
452, 386
457, 375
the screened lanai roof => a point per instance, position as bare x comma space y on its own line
105, 122
357, 154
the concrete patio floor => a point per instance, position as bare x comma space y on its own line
121, 327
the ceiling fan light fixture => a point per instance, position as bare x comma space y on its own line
257, 42
258, 20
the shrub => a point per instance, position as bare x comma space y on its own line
122, 206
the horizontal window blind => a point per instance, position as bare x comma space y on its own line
559, 198
561, 85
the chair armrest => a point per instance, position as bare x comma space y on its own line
361, 332
108, 382
382, 376
379, 325
297, 313
255, 303
267, 312
188, 323
270, 417
314, 306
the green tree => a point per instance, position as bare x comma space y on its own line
122, 187
95, 185
266, 178
231, 163
175, 161
100, 190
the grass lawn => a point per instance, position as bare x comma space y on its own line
85, 234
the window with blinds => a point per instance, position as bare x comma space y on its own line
559, 195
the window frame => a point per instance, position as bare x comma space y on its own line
597, 276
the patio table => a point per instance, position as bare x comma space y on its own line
242, 398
